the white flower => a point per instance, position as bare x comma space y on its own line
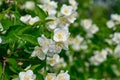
52, 24
63, 22
73, 3
115, 17
110, 24
44, 1
86, 23
61, 35
28, 75
50, 76
27, 19
72, 17
66, 10
116, 38
56, 47
30, 5
52, 4
50, 7
117, 51
99, 57
16, 79
34, 20
63, 76
93, 29
38, 52
77, 43
44, 43
54, 60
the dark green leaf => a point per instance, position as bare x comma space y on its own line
41, 13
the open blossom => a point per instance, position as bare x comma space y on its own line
30, 5
99, 57
44, 43
52, 24
56, 47
63, 22
115, 17
38, 52
63, 76
72, 17
117, 51
73, 3
86, 23
93, 29
54, 60
27, 19
89, 27
28, 75
60, 35
110, 24
50, 76
50, 7
116, 38
66, 10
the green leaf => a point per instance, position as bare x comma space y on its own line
12, 69
30, 38
40, 13
6, 24
1, 16
12, 61
35, 66
13, 65
39, 76
0, 69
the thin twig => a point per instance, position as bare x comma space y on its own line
29, 60
3, 69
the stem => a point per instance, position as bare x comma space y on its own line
3, 69
28, 60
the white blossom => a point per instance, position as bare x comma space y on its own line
93, 29
52, 24
73, 3
117, 51
72, 17
44, 43
28, 75
86, 23
110, 24
116, 37
66, 10
115, 17
27, 19
99, 57
61, 35
38, 52
30, 5
54, 60
50, 76
63, 76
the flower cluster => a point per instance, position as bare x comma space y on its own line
89, 27
49, 48
115, 20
